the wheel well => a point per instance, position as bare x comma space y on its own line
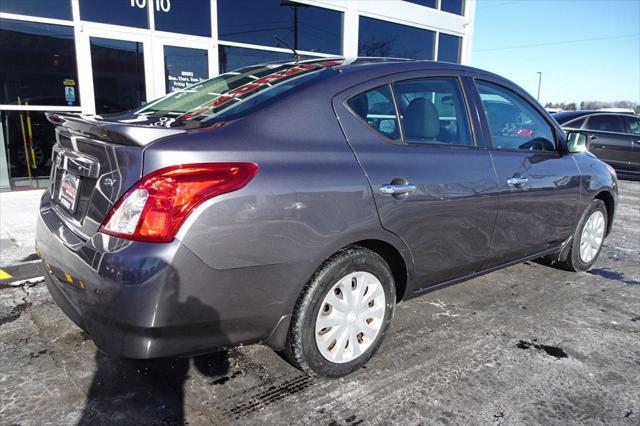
607, 199
395, 261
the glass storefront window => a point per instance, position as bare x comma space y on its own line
232, 58
449, 48
301, 26
184, 67
131, 13
28, 138
37, 64
427, 3
56, 9
183, 16
452, 6
387, 39
118, 74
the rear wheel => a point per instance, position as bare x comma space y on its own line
342, 315
588, 238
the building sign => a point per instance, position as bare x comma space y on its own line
184, 67
160, 5
69, 91
183, 80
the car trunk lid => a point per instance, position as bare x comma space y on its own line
94, 162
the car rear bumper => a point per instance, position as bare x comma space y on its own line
150, 300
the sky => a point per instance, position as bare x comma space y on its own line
518, 38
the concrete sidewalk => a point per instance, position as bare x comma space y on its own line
18, 212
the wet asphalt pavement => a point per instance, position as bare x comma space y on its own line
528, 344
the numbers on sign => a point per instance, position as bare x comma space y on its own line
161, 5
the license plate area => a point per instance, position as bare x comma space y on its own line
68, 190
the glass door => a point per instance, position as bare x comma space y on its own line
118, 70
119, 81
181, 62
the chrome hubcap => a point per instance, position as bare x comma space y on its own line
592, 236
350, 317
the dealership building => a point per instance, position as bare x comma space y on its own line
102, 56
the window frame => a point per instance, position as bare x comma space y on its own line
558, 143
582, 119
623, 124
390, 80
627, 123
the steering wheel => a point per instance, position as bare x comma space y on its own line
538, 144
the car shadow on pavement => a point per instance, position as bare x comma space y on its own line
126, 391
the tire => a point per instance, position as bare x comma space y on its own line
359, 270
575, 260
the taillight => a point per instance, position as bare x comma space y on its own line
155, 207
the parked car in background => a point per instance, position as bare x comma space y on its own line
614, 137
294, 204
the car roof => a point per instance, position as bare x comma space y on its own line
565, 116
389, 64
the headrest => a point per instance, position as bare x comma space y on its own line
421, 120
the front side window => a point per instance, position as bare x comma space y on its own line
634, 125
432, 110
514, 123
605, 123
376, 108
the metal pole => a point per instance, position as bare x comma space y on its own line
295, 27
539, 83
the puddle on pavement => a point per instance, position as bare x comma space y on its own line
612, 275
549, 350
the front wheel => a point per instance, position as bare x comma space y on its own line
588, 238
342, 315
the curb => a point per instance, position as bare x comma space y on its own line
21, 273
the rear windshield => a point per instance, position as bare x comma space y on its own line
234, 93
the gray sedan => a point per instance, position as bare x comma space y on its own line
295, 204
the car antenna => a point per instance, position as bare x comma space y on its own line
296, 55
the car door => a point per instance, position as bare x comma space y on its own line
633, 133
432, 185
608, 140
539, 186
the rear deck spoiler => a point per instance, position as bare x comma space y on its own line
111, 131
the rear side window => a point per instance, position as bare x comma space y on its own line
634, 125
605, 123
575, 124
514, 123
432, 110
376, 108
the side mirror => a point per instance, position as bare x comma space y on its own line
577, 141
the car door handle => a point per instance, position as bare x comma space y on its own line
403, 188
637, 141
517, 182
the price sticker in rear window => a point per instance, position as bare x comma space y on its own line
68, 193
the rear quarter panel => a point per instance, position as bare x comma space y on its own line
309, 198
